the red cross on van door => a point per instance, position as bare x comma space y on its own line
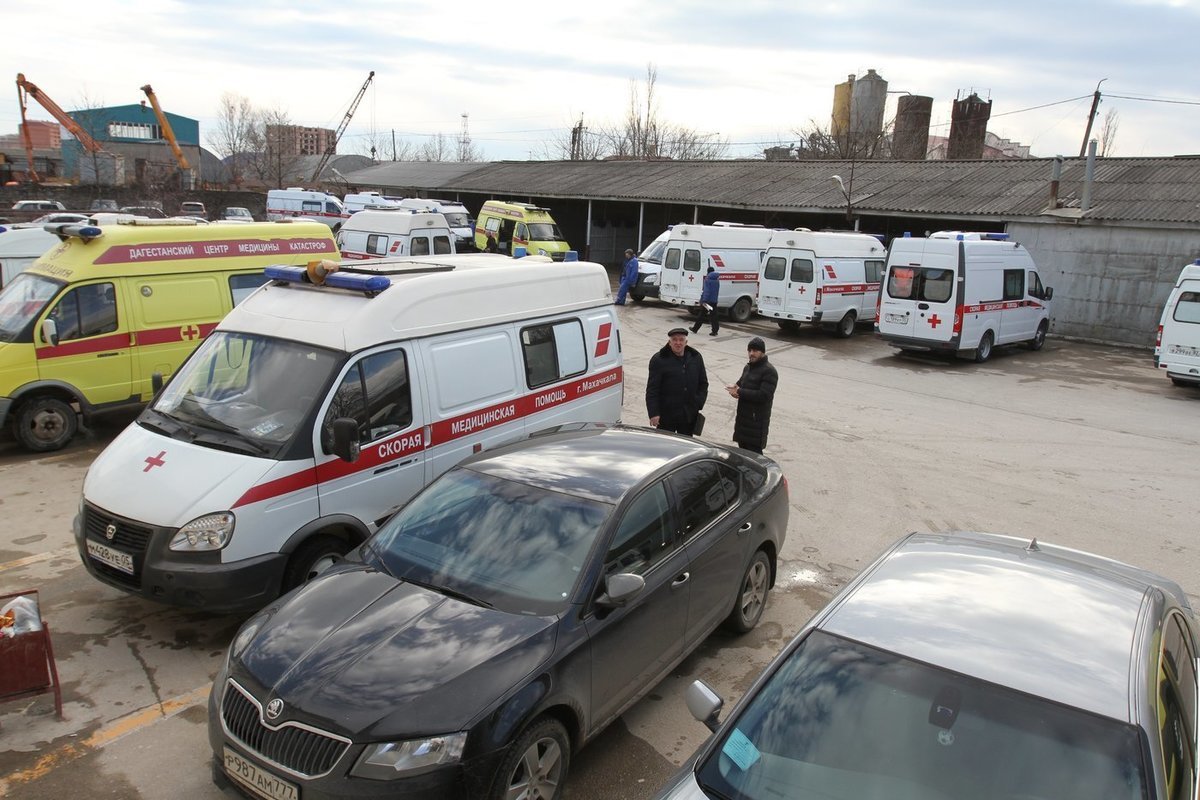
934, 321
189, 332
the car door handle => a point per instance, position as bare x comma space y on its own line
681, 579
923, 306
745, 527
107, 355
390, 467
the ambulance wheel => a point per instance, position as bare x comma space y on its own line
984, 351
312, 558
1039, 339
740, 311
845, 327
1179, 382
637, 296
789, 325
45, 423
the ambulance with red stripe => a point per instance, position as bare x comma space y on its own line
963, 293
300, 203
84, 329
378, 233
315, 410
821, 278
735, 250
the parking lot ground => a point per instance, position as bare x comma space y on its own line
1080, 445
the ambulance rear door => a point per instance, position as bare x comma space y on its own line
787, 284
1179, 348
919, 296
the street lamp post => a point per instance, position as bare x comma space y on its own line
846, 192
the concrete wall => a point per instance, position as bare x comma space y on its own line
1110, 283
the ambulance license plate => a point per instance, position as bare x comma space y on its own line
260, 782
897, 318
113, 558
1183, 350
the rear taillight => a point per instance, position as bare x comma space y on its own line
878, 306
1158, 339
817, 297
958, 315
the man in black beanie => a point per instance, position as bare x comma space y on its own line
677, 385
755, 392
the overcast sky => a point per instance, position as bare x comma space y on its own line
750, 72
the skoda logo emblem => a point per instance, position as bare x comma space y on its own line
110, 531
274, 708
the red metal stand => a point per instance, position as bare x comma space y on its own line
27, 665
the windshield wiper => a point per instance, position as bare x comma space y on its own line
456, 594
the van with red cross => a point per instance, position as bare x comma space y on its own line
734, 250
298, 203
963, 293
1177, 347
326, 400
821, 278
84, 329
381, 232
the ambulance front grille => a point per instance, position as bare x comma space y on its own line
128, 536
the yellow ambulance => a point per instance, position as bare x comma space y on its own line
502, 227
85, 327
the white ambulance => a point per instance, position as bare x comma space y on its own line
1177, 349
362, 200
313, 412
962, 293
650, 268
735, 250
299, 203
821, 278
20, 247
380, 232
457, 217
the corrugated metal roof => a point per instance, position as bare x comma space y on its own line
1125, 189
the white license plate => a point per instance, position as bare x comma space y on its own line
1182, 350
258, 781
897, 318
107, 555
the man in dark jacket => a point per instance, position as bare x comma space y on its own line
677, 386
709, 295
755, 392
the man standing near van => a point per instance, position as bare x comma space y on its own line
677, 386
629, 273
755, 393
708, 301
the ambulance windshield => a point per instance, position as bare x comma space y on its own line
243, 392
21, 302
544, 232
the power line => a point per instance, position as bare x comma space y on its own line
1155, 100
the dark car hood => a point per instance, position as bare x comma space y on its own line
376, 657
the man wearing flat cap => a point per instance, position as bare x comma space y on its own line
755, 393
677, 386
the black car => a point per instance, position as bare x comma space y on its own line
500, 620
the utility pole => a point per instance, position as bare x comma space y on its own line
464, 141
393, 144
1087, 133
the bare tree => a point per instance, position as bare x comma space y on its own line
273, 159
233, 133
578, 143
1108, 131
821, 143
438, 148
91, 117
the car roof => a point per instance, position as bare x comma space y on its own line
1048, 621
597, 462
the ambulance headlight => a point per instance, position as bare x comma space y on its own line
210, 532
651, 280
542, 252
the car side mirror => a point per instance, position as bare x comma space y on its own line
345, 439
1049, 292
704, 703
50, 331
156, 383
619, 589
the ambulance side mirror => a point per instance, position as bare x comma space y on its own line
50, 331
1049, 293
345, 439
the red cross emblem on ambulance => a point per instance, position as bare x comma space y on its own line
155, 461
189, 332
934, 321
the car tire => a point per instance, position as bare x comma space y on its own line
1039, 339
845, 326
752, 595
984, 351
1181, 383
43, 424
637, 296
788, 325
741, 309
536, 763
312, 558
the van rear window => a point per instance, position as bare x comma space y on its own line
920, 283
1188, 308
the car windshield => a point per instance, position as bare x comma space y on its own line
244, 393
839, 721
653, 254
458, 220
21, 301
544, 232
510, 545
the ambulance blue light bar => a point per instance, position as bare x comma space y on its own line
996, 237
85, 232
338, 280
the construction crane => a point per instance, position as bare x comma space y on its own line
337, 137
27, 89
167, 133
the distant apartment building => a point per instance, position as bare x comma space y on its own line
993, 147
297, 140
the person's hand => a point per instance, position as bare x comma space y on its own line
654, 422
732, 389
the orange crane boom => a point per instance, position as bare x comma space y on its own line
24, 88
168, 133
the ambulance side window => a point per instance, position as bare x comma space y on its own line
310, 207
86, 311
376, 394
802, 270
874, 271
377, 244
1014, 284
1187, 309
441, 245
418, 246
775, 269
522, 232
240, 286
553, 352
691, 260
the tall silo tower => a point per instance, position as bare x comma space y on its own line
843, 93
866, 109
968, 128
910, 138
